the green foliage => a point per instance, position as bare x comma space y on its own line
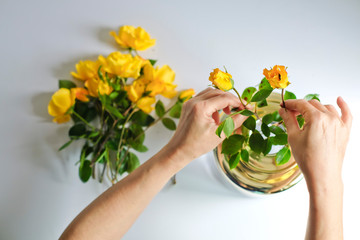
265, 129
66, 84
283, 156
279, 139
289, 95
142, 118
65, 145
132, 163
248, 93
169, 123
312, 96
219, 129
232, 144
228, 126
276, 116
160, 108
264, 84
250, 123
244, 112
300, 119
234, 160
276, 130
267, 146
262, 103
175, 111
268, 118
256, 142
244, 155
152, 61
261, 95
85, 171
77, 130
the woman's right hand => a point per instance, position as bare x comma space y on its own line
319, 147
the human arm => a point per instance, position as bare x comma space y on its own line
319, 150
112, 213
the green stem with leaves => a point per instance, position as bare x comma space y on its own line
83, 120
238, 94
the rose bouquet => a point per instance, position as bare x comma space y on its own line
110, 104
258, 134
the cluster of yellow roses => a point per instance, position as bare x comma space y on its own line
141, 91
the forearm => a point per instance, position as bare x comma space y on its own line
113, 213
325, 213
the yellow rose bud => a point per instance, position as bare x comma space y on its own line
86, 70
145, 103
122, 65
96, 86
135, 38
277, 76
186, 94
61, 101
221, 80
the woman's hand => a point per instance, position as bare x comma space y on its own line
195, 134
320, 146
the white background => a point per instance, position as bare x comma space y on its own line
40, 42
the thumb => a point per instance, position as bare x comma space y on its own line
290, 121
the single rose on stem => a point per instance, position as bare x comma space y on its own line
278, 78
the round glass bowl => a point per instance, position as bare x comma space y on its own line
260, 175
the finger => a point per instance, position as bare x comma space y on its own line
227, 110
318, 105
209, 93
216, 117
346, 116
221, 101
332, 109
290, 121
302, 106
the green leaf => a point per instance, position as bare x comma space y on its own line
265, 129
283, 156
169, 123
175, 111
113, 95
85, 171
65, 145
101, 76
300, 119
140, 148
276, 130
250, 123
93, 134
244, 155
312, 96
66, 84
247, 94
289, 95
244, 112
262, 103
276, 116
219, 129
234, 160
268, 146
261, 95
85, 110
279, 139
160, 108
152, 61
77, 130
268, 118
228, 126
264, 84
256, 142
132, 163
114, 111
142, 118
232, 144
111, 144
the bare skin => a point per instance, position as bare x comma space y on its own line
319, 150
112, 213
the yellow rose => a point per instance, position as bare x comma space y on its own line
277, 76
131, 37
96, 86
135, 90
86, 70
186, 94
145, 103
122, 65
221, 80
159, 81
60, 103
